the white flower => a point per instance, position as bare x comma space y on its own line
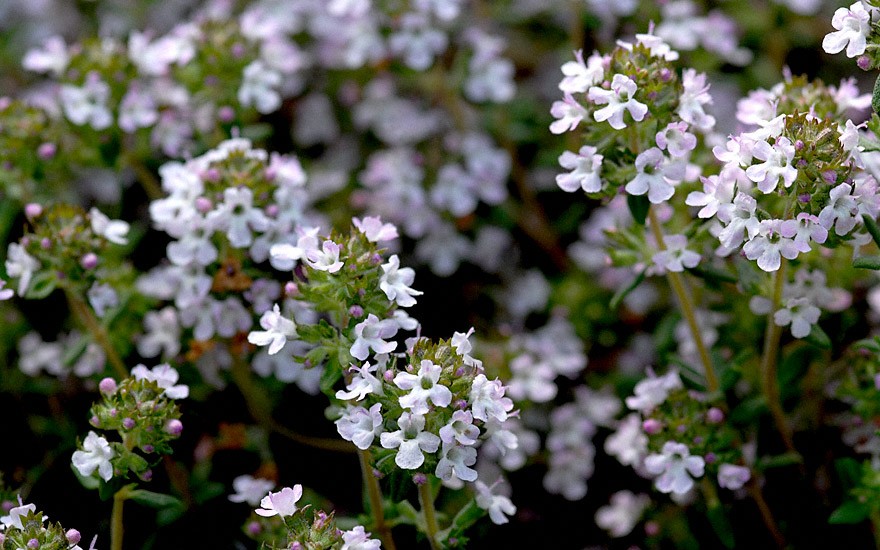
87, 104
743, 221
487, 399
375, 231
733, 477
694, 96
259, 87
777, 164
166, 377
95, 455
13, 519
853, 27
629, 442
653, 391
52, 59
283, 256
395, 282
326, 259
162, 334
277, 331
102, 297
585, 167
619, 98
371, 333
460, 429
656, 176
360, 426
282, 503
676, 139
410, 440
676, 257
579, 76
362, 383
774, 238
674, 466
499, 506
358, 539
717, 192
250, 489
800, 314
624, 512
5, 293
236, 216
841, 212
114, 231
423, 387
456, 461
568, 112
22, 265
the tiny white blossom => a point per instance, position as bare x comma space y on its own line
499, 506
675, 467
370, 334
114, 231
585, 167
800, 314
655, 176
165, 377
622, 514
250, 489
411, 441
325, 259
777, 164
95, 455
358, 539
360, 426
277, 331
731, 476
618, 99
395, 282
676, 257
362, 383
774, 240
579, 76
652, 391
282, 503
375, 231
853, 27
22, 265
423, 387
568, 112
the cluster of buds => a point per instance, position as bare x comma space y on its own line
282, 524
29, 146
22, 527
65, 247
143, 413
676, 436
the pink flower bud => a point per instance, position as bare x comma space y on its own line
226, 114
46, 150
204, 205
174, 427
290, 289
128, 423
652, 426
108, 386
864, 62
356, 311
710, 458
45, 243
420, 478
89, 261
32, 210
33, 544
73, 536
254, 528
714, 415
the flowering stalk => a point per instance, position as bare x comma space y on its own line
769, 379
82, 312
374, 492
116, 526
426, 500
679, 287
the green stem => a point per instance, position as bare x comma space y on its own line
766, 515
426, 500
148, 181
769, 377
84, 313
256, 404
375, 495
875, 523
116, 527
683, 294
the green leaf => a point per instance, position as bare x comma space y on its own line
638, 207
818, 338
867, 262
849, 471
623, 292
780, 461
872, 227
713, 274
41, 285
721, 525
329, 378
875, 97
154, 500
850, 512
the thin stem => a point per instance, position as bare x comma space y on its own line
148, 181
683, 294
375, 495
116, 527
766, 515
426, 499
84, 313
256, 404
769, 377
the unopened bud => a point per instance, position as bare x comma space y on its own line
864, 62
652, 426
420, 478
46, 150
356, 311
73, 536
32, 210
714, 415
89, 261
107, 385
174, 427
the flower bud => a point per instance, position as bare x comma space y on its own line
89, 261
7, 505
652, 528
32, 210
107, 385
45, 243
226, 114
254, 528
174, 427
420, 478
714, 415
356, 311
147, 475
148, 449
652, 426
204, 205
33, 544
128, 423
710, 458
864, 62
290, 289
46, 150
73, 536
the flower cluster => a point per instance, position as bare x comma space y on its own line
142, 411
23, 527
